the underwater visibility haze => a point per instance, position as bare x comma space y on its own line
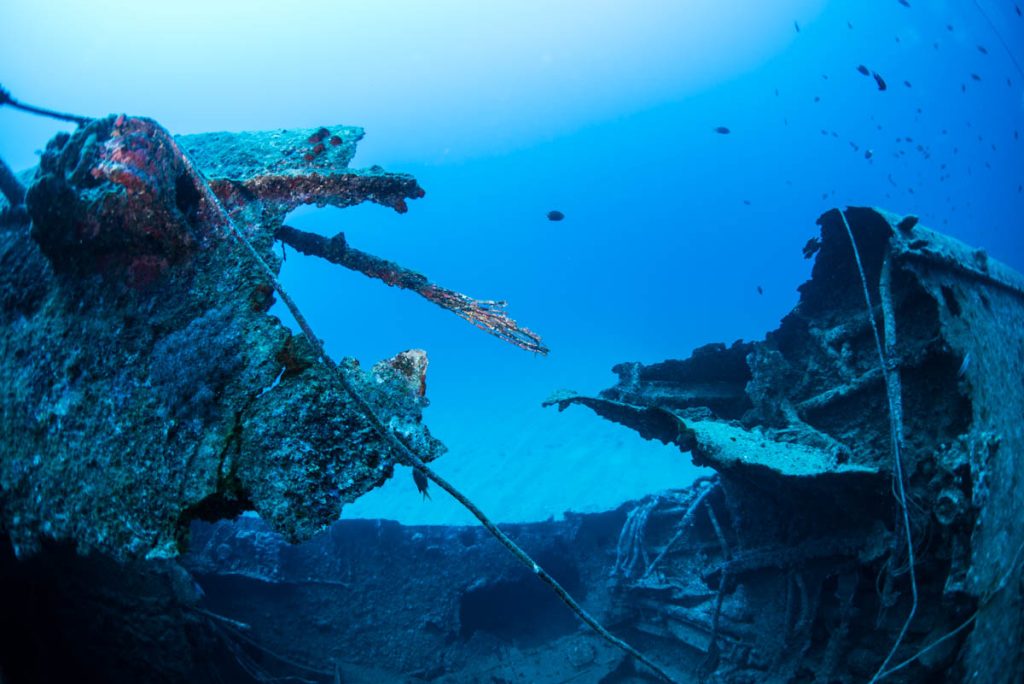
749, 451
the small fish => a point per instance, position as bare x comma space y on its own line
422, 483
796, 25
879, 80
982, 49
907, 84
812, 247
760, 290
868, 154
976, 77
863, 69
904, 3
722, 130
553, 215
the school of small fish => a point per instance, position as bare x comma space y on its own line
906, 144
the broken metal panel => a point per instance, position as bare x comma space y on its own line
247, 155
266, 174
805, 509
144, 384
982, 318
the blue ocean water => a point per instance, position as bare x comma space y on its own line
675, 235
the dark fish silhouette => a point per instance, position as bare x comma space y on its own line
907, 83
982, 49
879, 80
864, 70
760, 290
976, 77
421, 483
722, 130
812, 247
904, 3
553, 215
796, 26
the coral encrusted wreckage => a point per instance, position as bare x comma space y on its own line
791, 565
145, 385
149, 399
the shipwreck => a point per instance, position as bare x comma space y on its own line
863, 522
